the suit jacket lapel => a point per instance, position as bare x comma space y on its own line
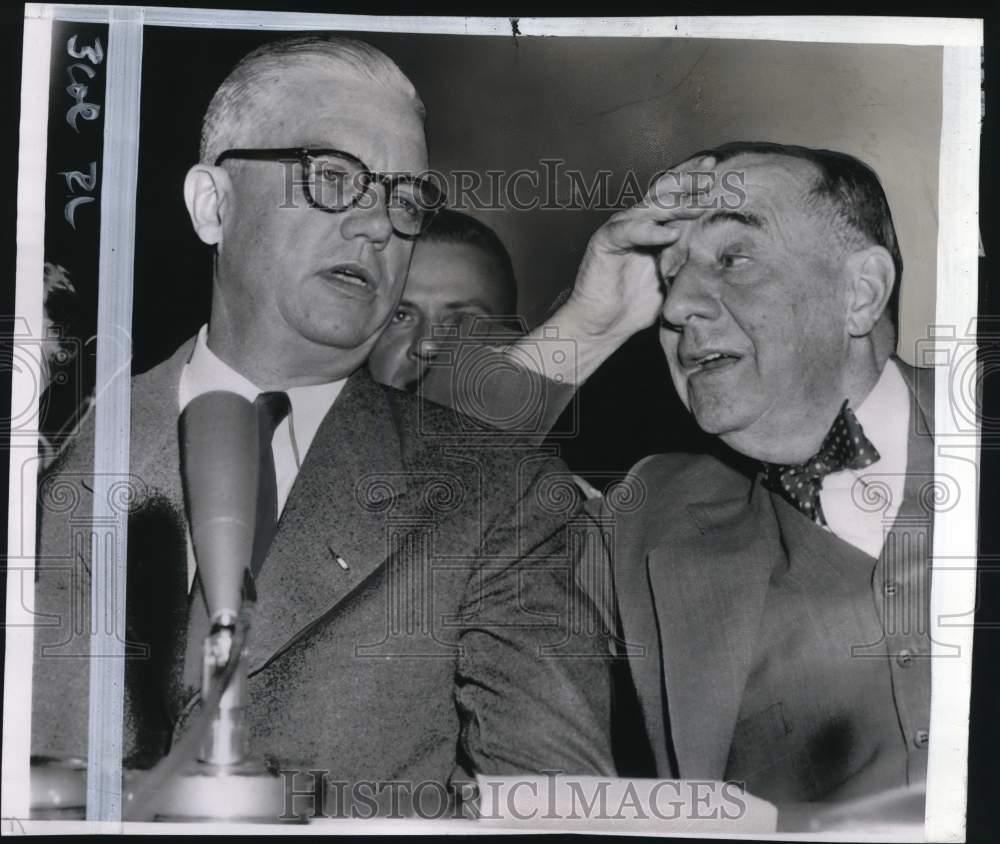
333, 531
916, 511
717, 572
331, 512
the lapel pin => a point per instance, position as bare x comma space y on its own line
340, 560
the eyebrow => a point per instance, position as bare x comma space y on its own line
744, 218
467, 303
451, 306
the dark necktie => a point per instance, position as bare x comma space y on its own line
845, 447
271, 409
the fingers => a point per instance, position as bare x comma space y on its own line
678, 195
648, 225
634, 231
666, 210
692, 178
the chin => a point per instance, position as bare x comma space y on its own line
723, 419
346, 337
712, 416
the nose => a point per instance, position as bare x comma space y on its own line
369, 219
690, 293
426, 343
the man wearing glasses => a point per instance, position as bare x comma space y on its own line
413, 604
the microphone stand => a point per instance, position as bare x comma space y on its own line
209, 774
223, 782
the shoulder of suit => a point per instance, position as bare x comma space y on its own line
153, 395
161, 381
693, 475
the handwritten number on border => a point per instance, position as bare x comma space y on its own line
79, 75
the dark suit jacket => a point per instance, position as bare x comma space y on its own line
450, 644
691, 568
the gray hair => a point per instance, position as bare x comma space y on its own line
233, 112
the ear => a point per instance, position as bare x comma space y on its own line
871, 275
207, 195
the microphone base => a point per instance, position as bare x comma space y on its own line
243, 792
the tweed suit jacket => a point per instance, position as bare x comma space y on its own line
414, 613
690, 571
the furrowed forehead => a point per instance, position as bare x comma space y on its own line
762, 193
774, 179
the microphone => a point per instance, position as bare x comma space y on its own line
219, 445
219, 460
219, 467
209, 773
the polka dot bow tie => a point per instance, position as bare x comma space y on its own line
845, 447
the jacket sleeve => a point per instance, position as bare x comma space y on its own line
481, 382
61, 667
534, 681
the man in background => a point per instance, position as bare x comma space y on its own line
461, 277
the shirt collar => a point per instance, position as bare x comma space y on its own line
205, 372
885, 418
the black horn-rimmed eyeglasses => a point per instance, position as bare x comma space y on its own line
334, 181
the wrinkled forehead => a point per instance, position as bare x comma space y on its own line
764, 196
774, 185
318, 105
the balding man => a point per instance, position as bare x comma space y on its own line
782, 592
411, 616
776, 597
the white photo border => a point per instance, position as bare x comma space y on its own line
954, 553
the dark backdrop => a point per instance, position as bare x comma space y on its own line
628, 105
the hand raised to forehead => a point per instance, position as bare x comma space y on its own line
618, 289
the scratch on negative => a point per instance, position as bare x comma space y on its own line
673, 88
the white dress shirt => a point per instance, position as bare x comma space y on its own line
853, 501
205, 372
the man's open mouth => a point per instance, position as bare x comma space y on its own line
350, 275
710, 360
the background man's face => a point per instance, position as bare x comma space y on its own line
448, 284
301, 277
761, 304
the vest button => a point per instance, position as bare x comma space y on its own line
891, 589
920, 738
904, 658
